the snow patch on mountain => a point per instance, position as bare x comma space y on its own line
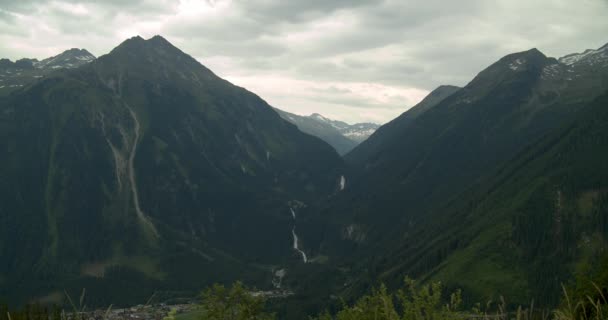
552, 71
517, 64
358, 134
589, 57
69, 59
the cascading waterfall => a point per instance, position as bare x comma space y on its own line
295, 238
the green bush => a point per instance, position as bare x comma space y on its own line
235, 303
409, 303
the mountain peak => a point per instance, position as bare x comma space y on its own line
514, 62
5, 63
519, 59
136, 38
319, 117
155, 46
534, 51
130, 43
156, 58
524, 63
76, 51
159, 39
71, 58
139, 41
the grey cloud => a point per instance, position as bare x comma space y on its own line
271, 11
6, 17
393, 43
339, 96
248, 49
142, 7
333, 90
234, 28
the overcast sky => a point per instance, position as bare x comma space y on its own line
353, 60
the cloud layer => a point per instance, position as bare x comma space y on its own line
354, 60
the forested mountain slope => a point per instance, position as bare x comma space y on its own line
144, 170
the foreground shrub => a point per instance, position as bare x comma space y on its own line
235, 303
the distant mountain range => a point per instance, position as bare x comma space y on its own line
340, 135
143, 172
16, 74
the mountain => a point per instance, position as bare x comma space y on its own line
320, 129
340, 135
357, 132
72, 58
411, 171
16, 74
142, 171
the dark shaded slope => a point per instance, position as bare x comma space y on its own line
145, 168
437, 154
419, 205
444, 150
539, 221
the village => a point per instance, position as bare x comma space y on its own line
159, 311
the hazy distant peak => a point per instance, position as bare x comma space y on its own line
340, 135
68, 59
77, 51
71, 58
319, 117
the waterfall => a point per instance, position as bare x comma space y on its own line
296, 245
